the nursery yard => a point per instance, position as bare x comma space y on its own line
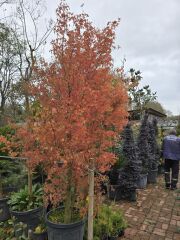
155, 215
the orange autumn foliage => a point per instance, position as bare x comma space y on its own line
81, 108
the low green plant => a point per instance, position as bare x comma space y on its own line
108, 223
40, 229
57, 216
6, 230
22, 201
7, 131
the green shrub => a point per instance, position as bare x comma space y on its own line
108, 222
22, 201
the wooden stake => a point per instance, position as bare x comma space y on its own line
91, 204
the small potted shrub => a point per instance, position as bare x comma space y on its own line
109, 223
126, 188
27, 208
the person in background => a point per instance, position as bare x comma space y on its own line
171, 155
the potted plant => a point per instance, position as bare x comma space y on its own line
82, 107
126, 188
109, 224
27, 208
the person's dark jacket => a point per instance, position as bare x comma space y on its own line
171, 147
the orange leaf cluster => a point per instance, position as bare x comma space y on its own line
81, 108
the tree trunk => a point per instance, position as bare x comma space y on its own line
69, 203
2, 110
2, 107
91, 204
27, 106
29, 182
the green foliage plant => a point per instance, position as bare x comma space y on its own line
41, 228
21, 201
109, 222
57, 216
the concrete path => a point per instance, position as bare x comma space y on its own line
155, 215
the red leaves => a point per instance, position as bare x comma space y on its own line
79, 103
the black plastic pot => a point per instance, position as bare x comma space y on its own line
152, 176
4, 210
72, 231
40, 236
31, 218
142, 181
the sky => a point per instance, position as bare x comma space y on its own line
149, 39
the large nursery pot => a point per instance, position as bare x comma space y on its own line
152, 176
4, 210
61, 231
142, 181
31, 217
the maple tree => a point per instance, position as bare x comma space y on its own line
81, 109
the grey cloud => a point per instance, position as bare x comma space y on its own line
149, 37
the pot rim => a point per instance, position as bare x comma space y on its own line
62, 225
21, 213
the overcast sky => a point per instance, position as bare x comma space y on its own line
149, 37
